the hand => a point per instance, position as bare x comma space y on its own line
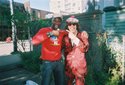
55, 32
73, 38
71, 35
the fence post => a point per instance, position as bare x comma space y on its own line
13, 28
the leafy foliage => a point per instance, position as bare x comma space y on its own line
38, 24
30, 61
110, 73
5, 23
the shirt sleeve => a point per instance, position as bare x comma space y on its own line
84, 43
40, 36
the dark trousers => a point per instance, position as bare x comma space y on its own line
52, 69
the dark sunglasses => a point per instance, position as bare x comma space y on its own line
69, 24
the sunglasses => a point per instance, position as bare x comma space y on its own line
69, 24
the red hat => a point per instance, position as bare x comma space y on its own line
72, 19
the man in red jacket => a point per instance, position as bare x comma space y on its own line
51, 40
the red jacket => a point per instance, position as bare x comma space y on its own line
49, 50
75, 56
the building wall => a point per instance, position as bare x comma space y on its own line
115, 21
5, 23
81, 6
67, 7
56, 6
106, 3
40, 14
27, 6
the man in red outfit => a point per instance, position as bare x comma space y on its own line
51, 40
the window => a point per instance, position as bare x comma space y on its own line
73, 4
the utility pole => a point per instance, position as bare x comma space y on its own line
94, 4
123, 61
13, 28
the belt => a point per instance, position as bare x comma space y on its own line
51, 61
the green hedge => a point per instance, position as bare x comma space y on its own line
109, 73
30, 61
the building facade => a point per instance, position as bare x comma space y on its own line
67, 7
40, 14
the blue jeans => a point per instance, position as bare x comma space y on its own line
52, 69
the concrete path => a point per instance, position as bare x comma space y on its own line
17, 76
7, 60
12, 73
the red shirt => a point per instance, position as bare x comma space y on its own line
51, 48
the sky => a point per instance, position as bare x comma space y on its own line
38, 4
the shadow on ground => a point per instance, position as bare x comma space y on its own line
17, 76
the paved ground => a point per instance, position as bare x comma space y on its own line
17, 76
12, 73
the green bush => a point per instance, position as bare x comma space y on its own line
30, 61
110, 73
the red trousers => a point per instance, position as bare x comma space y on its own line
78, 81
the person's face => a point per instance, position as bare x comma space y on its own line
57, 21
72, 27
